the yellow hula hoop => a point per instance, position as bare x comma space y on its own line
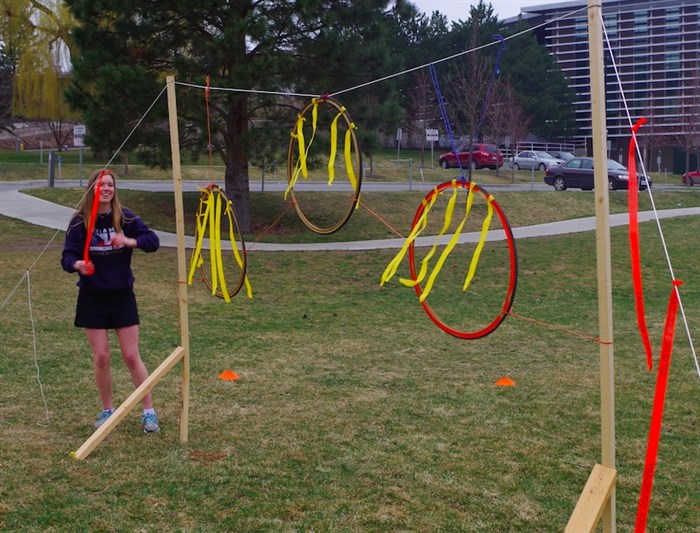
352, 155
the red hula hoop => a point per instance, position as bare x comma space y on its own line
512, 282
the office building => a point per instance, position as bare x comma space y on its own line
652, 57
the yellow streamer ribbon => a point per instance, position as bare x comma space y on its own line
297, 165
334, 145
212, 246
450, 246
348, 157
302, 146
480, 245
216, 244
426, 260
209, 216
301, 166
202, 221
420, 225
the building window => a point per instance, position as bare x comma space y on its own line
673, 19
610, 22
671, 105
641, 22
641, 46
641, 73
673, 38
672, 61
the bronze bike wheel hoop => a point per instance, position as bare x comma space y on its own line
357, 156
233, 221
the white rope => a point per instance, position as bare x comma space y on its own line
36, 260
465, 52
250, 91
653, 205
126, 139
21, 279
12, 292
36, 358
136, 126
390, 76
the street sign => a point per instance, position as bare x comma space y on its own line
432, 135
78, 134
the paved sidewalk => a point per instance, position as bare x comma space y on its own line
15, 204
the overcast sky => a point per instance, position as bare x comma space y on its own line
459, 9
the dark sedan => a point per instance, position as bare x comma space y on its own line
577, 173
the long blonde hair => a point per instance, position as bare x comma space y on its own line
85, 206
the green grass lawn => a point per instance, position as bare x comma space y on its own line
353, 411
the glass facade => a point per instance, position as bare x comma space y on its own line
652, 56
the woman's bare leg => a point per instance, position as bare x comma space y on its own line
129, 344
99, 342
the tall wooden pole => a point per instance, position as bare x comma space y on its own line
181, 262
605, 322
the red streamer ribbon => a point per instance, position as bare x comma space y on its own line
657, 412
91, 225
633, 208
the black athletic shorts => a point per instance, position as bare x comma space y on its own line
106, 310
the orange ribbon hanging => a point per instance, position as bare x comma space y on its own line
633, 208
657, 412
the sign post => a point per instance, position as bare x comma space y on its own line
432, 135
78, 134
399, 134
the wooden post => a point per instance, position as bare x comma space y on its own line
126, 407
181, 261
605, 323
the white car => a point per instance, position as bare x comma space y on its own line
529, 159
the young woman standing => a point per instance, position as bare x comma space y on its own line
106, 297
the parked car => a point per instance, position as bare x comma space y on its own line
529, 159
578, 173
561, 155
483, 156
692, 177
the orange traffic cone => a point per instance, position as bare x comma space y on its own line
505, 382
228, 375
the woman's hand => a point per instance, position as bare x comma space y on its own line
86, 268
120, 241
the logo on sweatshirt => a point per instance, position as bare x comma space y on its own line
100, 241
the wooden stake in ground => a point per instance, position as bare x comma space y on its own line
181, 261
593, 500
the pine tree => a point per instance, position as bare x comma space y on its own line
307, 46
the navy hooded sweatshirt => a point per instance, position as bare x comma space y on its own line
112, 265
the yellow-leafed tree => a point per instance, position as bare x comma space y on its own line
39, 35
